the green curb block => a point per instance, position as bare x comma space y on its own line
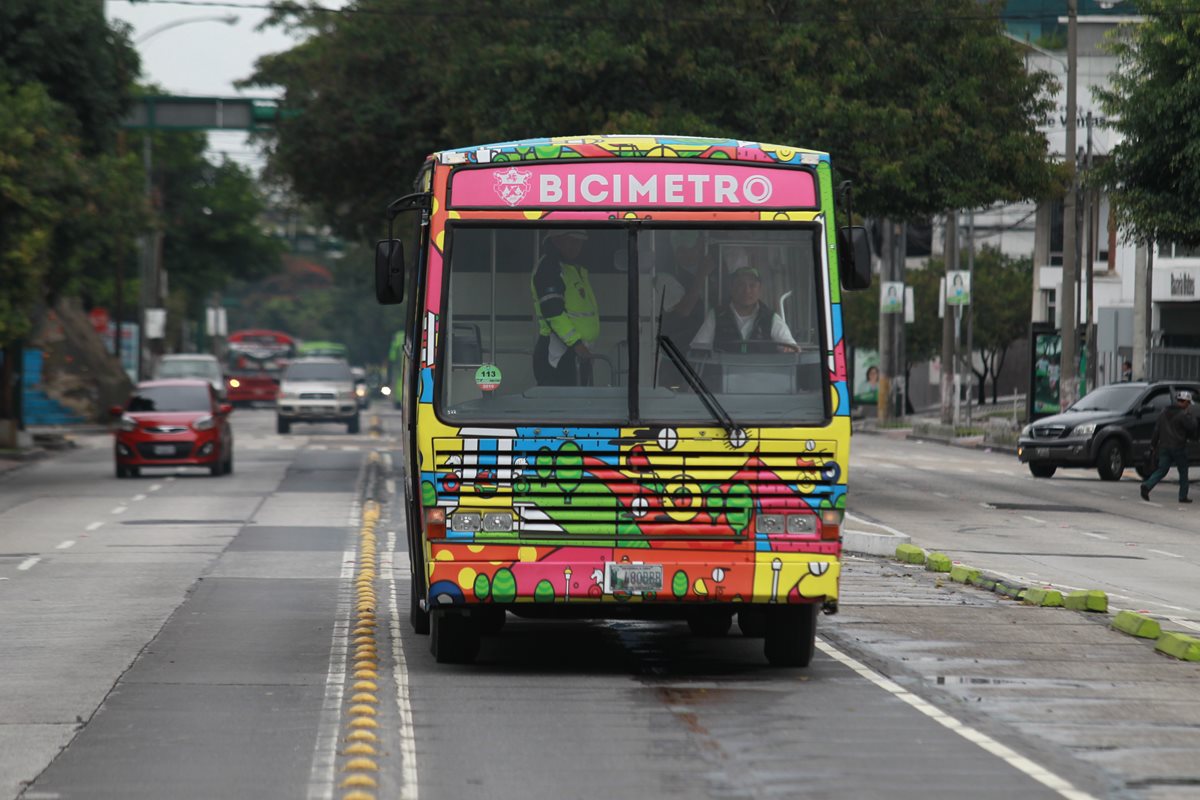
910, 554
938, 562
1137, 625
984, 582
1085, 600
1048, 598
1178, 645
1010, 590
961, 574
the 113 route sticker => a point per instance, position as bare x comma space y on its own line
487, 378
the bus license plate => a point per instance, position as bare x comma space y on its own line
633, 578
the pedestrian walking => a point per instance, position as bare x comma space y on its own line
1174, 427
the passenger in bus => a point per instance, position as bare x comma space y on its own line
746, 324
567, 315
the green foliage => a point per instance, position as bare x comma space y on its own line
925, 104
209, 216
84, 63
38, 169
1154, 103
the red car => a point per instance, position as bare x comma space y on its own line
171, 423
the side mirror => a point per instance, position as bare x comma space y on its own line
389, 271
854, 257
116, 411
225, 409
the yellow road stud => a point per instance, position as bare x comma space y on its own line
363, 710
359, 749
363, 722
364, 697
359, 780
361, 736
358, 795
365, 686
361, 763
365, 673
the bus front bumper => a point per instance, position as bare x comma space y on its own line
462, 575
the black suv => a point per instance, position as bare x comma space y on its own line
1109, 429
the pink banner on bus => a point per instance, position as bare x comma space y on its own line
630, 184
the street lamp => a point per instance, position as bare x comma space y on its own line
228, 19
151, 284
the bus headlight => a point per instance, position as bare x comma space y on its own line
234, 383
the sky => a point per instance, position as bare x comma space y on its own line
203, 56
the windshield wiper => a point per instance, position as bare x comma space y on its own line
694, 380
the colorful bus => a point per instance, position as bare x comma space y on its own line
254, 360
627, 391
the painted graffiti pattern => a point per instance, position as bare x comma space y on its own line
540, 514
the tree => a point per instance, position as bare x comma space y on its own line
1000, 290
1153, 173
925, 104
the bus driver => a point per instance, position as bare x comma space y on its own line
746, 324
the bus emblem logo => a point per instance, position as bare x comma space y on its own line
512, 185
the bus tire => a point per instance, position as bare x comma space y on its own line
454, 637
352, 425
752, 622
282, 425
791, 635
710, 622
418, 616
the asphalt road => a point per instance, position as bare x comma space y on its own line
186, 636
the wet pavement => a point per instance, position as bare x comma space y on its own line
1073, 689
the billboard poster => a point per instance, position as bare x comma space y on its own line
866, 377
1045, 388
891, 297
958, 288
129, 346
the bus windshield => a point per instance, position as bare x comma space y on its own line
569, 324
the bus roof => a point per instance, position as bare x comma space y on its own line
629, 146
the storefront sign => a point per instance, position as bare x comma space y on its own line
1176, 284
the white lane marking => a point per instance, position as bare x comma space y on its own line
387, 461
1165, 553
879, 525
1187, 623
95, 526
137, 498
64, 545
170, 479
120, 509
1003, 472
1034, 520
155, 487
408, 737
888, 465
317, 447
324, 765
942, 494
1095, 535
1007, 754
391, 486
28, 563
349, 447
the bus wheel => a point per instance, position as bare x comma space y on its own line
710, 622
454, 637
752, 622
352, 425
282, 425
791, 635
418, 616
491, 619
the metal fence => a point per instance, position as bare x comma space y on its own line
1174, 363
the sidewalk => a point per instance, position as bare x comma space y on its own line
45, 441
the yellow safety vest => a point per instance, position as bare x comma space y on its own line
580, 318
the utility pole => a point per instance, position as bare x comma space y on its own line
1093, 212
949, 396
1069, 376
970, 359
886, 329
